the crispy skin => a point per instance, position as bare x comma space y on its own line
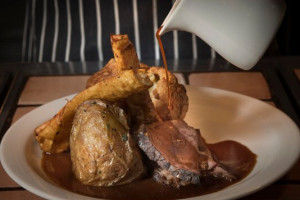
124, 52
53, 135
159, 94
103, 152
125, 58
150, 106
139, 105
108, 71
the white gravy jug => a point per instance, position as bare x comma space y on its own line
239, 30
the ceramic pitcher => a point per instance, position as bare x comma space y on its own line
239, 30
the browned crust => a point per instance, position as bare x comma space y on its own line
53, 135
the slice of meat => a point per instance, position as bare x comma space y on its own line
103, 152
181, 153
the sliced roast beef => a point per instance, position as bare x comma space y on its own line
181, 153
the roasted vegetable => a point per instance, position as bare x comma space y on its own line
108, 71
53, 135
159, 95
124, 52
102, 150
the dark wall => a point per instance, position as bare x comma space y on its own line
288, 36
12, 13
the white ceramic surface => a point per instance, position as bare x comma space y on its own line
239, 30
219, 114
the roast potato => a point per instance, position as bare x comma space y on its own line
53, 135
103, 152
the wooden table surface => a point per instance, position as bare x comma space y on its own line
30, 89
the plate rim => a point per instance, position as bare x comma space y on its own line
44, 194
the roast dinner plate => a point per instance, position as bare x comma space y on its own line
219, 114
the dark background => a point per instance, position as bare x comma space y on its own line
12, 13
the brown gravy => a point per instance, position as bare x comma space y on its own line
238, 159
161, 47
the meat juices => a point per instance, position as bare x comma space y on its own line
103, 152
238, 158
181, 153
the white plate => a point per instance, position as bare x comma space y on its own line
220, 115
